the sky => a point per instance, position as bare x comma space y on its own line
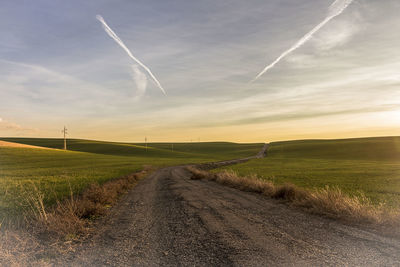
59, 67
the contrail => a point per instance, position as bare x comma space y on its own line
335, 9
114, 36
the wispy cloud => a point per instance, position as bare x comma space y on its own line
335, 10
7, 125
311, 114
115, 37
140, 80
32, 82
337, 35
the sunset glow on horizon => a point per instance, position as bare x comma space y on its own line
59, 67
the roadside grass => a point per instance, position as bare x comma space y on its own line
328, 201
52, 231
69, 218
365, 166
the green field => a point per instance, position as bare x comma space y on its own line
54, 172
205, 150
367, 165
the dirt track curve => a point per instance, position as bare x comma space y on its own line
170, 220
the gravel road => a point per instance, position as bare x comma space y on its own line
170, 220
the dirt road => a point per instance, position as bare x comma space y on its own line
170, 220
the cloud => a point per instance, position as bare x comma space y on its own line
302, 61
37, 88
115, 37
140, 80
335, 10
7, 125
311, 114
336, 35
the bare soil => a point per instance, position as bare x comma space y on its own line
170, 220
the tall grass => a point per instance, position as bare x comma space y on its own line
46, 231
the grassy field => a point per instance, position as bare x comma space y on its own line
55, 172
211, 150
367, 165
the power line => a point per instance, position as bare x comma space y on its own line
65, 132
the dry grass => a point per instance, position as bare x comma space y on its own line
330, 202
71, 217
46, 232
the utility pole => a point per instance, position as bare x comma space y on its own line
145, 141
65, 132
